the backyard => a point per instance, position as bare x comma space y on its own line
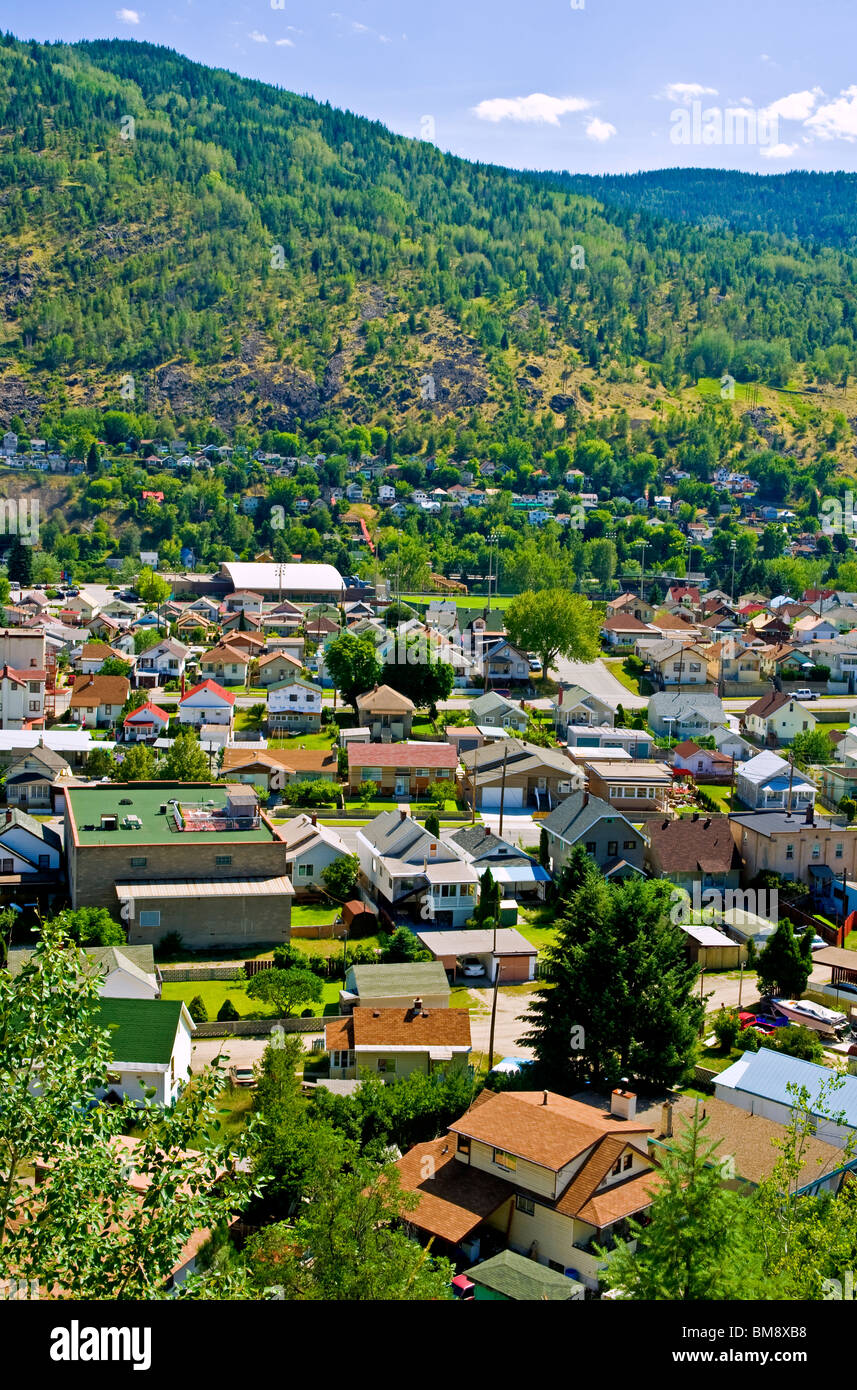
213, 993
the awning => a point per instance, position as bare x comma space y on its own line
520, 872
440, 1054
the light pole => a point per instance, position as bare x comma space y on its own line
492, 542
733, 546
669, 720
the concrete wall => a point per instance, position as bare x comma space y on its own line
94, 870
214, 922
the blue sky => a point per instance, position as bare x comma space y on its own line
587, 85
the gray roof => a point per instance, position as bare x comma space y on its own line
414, 977
676, 703
774, 822
477, 841
35, 827
521, 1279
490, 701
579, 813
768, 1074
138, 961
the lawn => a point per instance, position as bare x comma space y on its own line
214, 992
851, 941
720, 794
636, 685
322, 740
537, 925
314, 916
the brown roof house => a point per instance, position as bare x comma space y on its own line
97, 700
776, 718
691, 850
394, 1042
274, 768
277, 666
386, 713
400, 769
519, 773
537, 1173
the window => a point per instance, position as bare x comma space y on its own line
524, 1204
590, 846
223, 859
790, 851
464, 1144
626, 1162
7, 866
387, 1066
505, 1160
556, 1266
44, 861
837, 853
617, 1167
150, 919
306, 870
816, 851
630, 844
612, 848
139, 863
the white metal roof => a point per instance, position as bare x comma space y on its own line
266, 578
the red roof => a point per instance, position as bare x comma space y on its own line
402, 755
148, 708
213, 688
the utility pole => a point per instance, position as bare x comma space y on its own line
791, 779
494, 1000
733, 547
503, 785
732, 785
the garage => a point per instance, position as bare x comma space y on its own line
513, 954
490, 798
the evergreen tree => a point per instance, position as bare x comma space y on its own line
785, 963
20, 563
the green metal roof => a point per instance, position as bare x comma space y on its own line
141, 1030
108, 958
523, 1279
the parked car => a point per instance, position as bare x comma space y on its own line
507, 694
471, 965
242, 1076
804, 694
841, 987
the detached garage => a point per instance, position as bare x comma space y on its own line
490, 798
514, 956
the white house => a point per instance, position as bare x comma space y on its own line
310, 848
151, 1043
147, 722
763, 785
167, 660
22, 698
28, 846
759, 1084
294, 706
776, 718
207, 703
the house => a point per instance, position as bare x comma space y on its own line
311, 848
167, 660
607, 836
400, 769
294, 706
301, 583
766, 1083
395, 986
705, 763
207, 703
677, 664
536, 1172
696, 849
386, 713
127, 972
277, 667
34, 778
641, 789
574, 705
775, 718
392, 1042
797, 848
506, 955
518, 774
31, 851
146, 723
505, 664
494, 711
225, 664
732, 744
84, 606
150, 1046
733, 664
519, 875
22, 698
622, 630
199, 859
93, 656
631, 606
513, 1278
685, 715
766, 782
97, 700
405, 870
243, 601
274, 768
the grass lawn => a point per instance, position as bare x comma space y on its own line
715, 1059
214, 992
537, 925
322, 740
637, 685
708, 386
851, 941
464, 601
314, 916
720, 794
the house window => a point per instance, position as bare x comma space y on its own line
525, 1204
223, 859
306, 870
139, 863
626, 1162
150, 919
387, 1066
505, 1160
44, 861
790, 851
612, 848
590, 846
816, 851
617, 1167
464, 1144
838, 852
7, 866
630, 844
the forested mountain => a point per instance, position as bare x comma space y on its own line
249, 255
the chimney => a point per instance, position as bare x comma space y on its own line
695, 815
313, 820
403, 813
706, 822
667, 1119
586, 798
810, 814
544, 1098
8, 817
417, 1006
623, 1104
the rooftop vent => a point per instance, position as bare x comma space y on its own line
125, 801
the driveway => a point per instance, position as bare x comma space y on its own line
598, 680
242, 1052
512, 1001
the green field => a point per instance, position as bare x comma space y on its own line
214, 992
323, 740
637, 686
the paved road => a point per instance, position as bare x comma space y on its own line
598, 680
512, 1002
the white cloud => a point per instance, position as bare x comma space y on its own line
837, 119
257, 37
794, 107
685, 92
359, 28
780, 151
283, 43
128, 16
600, 130
536, 109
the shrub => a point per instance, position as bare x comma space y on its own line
726, 1028
226, 1013
848, 807
197, 1010
170, 944
748, 1041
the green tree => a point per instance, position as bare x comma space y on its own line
544, 849
138, 765
99, 763
785, 962
115, 666
813, 746
185, 761
402, 946
197, 1010
696, 1243
19, 564
799, 1041
227, 1012
553, 622
421, 679
340, 877
285, 989
726, 1027
152, 589
353, 666
91, 926
432, 824
487, 908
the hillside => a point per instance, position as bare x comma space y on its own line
252, 256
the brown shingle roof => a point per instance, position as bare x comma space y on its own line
767, 705
402, 755
90, 691
550, 1135
457, 1198
384, 698
690, 844
320, 760
401, 1028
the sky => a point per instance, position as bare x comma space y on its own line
592, 86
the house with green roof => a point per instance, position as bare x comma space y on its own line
395, 986
151, 1043
510, 1277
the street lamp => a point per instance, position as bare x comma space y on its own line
670, 719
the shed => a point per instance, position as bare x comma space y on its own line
359, 919
510, 1277
712, 949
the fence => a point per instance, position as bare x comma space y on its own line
805, 919
260, 1027
203, 972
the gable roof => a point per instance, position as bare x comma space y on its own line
147, 709
541, 1126
384, 697
679, 704
441, 755
578, 813
41, 831
767, 705
400, 1028
141, 1030
519, 1278
769, 1074
211, 688
92, 691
